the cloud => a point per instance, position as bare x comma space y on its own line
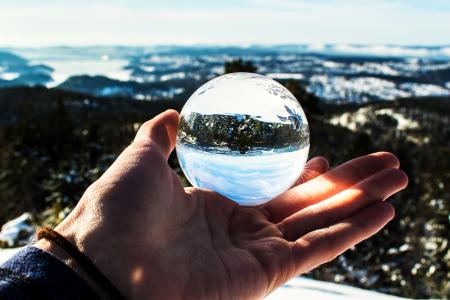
411, 5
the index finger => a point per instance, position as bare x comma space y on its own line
328, 184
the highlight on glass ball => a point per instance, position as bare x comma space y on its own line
244, 136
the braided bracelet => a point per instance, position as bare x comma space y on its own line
53, 236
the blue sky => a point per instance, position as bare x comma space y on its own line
146, 22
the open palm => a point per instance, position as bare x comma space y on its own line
156, 240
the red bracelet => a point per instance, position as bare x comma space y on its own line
90, 268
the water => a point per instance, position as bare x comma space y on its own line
244, 136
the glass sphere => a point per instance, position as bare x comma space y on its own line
244, 136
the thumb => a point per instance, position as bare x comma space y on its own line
160, 131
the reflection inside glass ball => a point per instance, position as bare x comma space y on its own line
244, 136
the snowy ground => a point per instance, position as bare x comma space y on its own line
18, 231
304, 288
5, 254
297, 288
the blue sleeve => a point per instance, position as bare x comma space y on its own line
35, 274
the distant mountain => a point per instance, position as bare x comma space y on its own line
17, 71
97, 85
334, 73
104, 86
8, 59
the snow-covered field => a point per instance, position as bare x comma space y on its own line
297, 288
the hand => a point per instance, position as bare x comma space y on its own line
156, 240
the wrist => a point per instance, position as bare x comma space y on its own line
69, 261
102, 251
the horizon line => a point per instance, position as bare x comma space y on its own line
237, 45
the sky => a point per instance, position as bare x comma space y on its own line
37, 23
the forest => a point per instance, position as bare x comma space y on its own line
243, 133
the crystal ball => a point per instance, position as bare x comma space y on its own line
243, 135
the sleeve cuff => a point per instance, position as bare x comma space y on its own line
33, 273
